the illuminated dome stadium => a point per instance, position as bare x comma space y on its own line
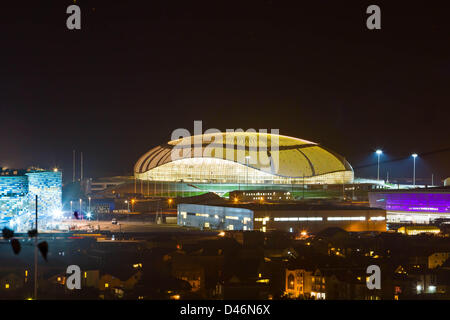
243, 157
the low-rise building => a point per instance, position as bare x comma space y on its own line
415, 230
419, 205
288, 217
298, 283
215, 217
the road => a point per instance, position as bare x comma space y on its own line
123, 226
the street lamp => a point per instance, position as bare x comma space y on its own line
89, 215
71, 206
89, 204
126, 201
81, 202
414, 155
379, 153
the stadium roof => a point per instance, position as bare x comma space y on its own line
295, 157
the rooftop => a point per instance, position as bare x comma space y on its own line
214, 200
439, 189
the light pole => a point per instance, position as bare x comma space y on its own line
414, 155
81, 203
126, 201
378, 152
35, 253
71, 206
89, 204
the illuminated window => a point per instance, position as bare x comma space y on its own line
202, 215
291, 282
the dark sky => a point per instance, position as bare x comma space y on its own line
137, 70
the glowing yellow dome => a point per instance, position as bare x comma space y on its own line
230, 157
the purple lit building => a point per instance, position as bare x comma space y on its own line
413, 206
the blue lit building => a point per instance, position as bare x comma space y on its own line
13, 197
214, 217
18, 191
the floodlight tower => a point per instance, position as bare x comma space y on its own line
414, 155
379, 153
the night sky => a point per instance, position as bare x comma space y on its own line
137, 70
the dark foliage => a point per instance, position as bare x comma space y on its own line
43, 248
7, 233
15, 244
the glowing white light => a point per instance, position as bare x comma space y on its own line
414, 155
297, 219
423, 208
379, 151
346, 218
377, 218
88, 215
57, 213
